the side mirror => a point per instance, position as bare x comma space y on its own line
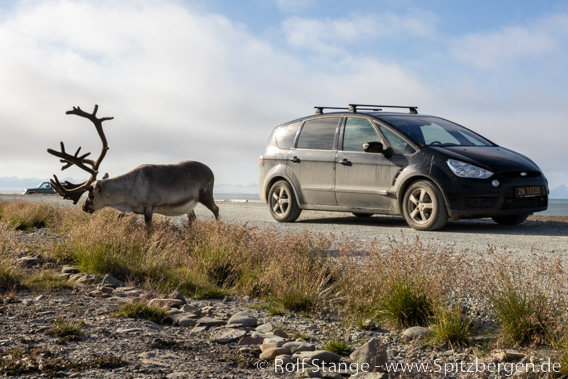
373, 147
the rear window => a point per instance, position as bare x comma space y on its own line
318, 134
286, 135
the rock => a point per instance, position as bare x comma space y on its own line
509, 355
265, 328
415, 333
70, 270
270, 354
248, 340
280, 333
373, 353
111, 281
165, 303
243, 318
179, 296
28, 261
299, 346
208, 321
228, 335
317, 357
271, 345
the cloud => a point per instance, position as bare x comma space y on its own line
513, 44
335, 35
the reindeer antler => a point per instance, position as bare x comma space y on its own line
73, 191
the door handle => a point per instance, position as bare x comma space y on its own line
295, 159
345, 162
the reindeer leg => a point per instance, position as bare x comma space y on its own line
148, 216
191, 217
207, 200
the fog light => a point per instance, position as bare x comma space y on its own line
495, 183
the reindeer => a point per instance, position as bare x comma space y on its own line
171, 190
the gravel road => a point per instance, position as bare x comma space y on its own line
542, 235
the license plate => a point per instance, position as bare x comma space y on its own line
530, 191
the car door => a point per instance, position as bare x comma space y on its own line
362, 178
311, 165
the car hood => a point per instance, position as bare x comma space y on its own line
495, 158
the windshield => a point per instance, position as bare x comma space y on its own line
434, 131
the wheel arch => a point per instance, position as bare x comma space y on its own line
413, 179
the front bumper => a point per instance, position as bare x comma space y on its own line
476, 199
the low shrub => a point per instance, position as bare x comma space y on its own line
526, 301
452, 325
142, 310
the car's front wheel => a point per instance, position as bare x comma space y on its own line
510, 219
423, 206
282, 203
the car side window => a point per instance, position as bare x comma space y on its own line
285, 135
318, 134
397, 143
45, 186
357, 132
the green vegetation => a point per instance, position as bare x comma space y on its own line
142, 310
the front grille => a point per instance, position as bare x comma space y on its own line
527, 202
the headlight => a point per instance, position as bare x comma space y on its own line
467, 170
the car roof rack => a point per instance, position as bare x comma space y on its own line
319, 110
367, 107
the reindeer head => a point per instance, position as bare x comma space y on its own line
73, 191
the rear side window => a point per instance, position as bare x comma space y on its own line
318, 134
285, 135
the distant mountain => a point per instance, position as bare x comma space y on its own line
16, 185
560, 192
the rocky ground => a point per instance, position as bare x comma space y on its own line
223, 338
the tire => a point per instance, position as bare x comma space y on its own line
282, 202
423, 206
510, 219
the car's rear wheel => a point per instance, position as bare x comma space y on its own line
510, 219
282, 203
423, 206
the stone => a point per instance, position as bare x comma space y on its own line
209, 321
111, 281
271, 345
243, 318
179, 296
265, 328
372, 353
415, 333
509, 355
228, 335
248, 340
280, 333
270, 354
299, 346
70, 270
165, 303
317, 357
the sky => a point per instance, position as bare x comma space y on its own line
208, 80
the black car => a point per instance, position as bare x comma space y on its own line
366, 161
43, 188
